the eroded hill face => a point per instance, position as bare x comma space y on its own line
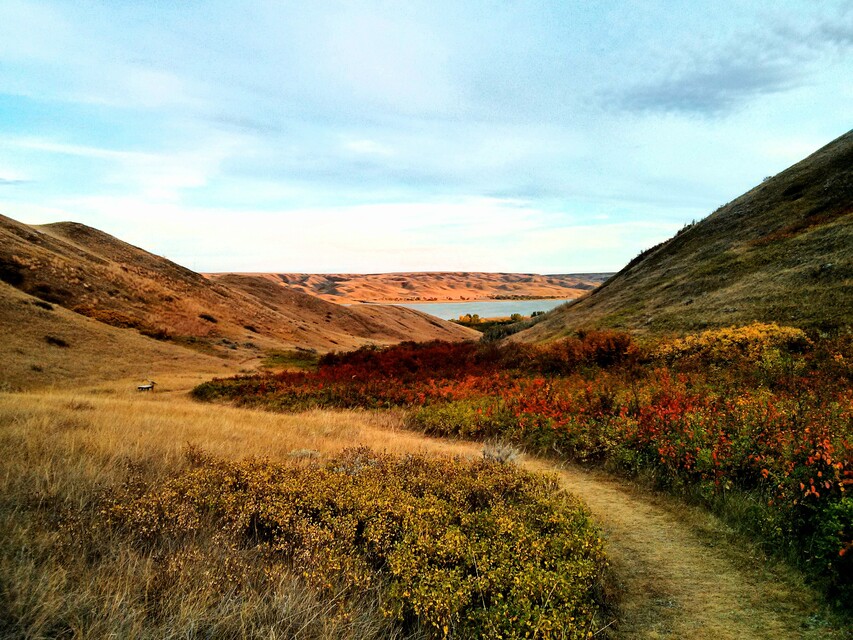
437, 286
239, 317
782, 252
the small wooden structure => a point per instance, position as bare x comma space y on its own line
146, 387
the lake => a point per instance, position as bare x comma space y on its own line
483, 308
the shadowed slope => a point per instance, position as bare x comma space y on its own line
781, 252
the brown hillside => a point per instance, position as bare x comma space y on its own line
437, 286
45, 345
99, 276
781, 252
384, 323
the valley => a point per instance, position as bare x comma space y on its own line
426, 320
638, 463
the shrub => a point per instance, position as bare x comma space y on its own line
759, 410
208, 318
12, 272
157, 333
723, 345
461, 548
474, 419
49, 294
56, 342
501, 452
601, 348
290, 358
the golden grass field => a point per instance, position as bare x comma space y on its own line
61, 449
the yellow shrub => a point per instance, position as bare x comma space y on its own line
460, 548
750, 341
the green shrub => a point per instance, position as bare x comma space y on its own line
833, 543
465, 419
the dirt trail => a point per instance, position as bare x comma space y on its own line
677, 579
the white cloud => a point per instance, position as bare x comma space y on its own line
152, 175
427, 135
467, 235
368, 147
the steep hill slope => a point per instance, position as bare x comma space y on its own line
99, 276
781, 252
437, 286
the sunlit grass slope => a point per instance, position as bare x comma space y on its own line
45, 345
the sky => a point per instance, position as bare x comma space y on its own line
460, 135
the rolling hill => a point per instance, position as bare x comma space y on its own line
436, 286
152, 301
781, 252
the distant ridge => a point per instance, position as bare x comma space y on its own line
781, 252
436, 286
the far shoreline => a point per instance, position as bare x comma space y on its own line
483, 309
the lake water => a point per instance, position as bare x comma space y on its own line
483, 308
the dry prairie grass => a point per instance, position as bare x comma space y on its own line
61, 451
111, 428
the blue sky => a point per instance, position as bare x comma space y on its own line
545, 137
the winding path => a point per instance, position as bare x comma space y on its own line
677, 576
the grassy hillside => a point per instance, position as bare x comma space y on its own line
71, 266
384, 322
781, 252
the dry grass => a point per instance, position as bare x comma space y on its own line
60, 451
159, 426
